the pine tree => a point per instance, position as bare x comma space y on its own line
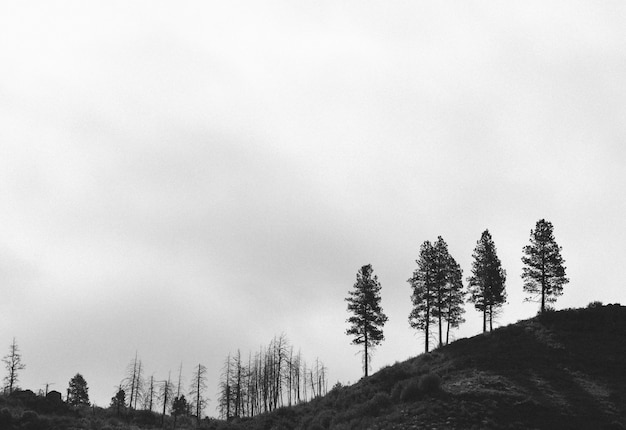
454, 297
438, 294
544, 272
78, 392
448, 289
487, 283
424, 282
118, 402
368, 318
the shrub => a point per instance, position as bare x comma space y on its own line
410, 391
5, 418
396, 391
429, 383
377, 403
322, 419
29, 416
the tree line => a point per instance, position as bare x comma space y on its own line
273, 377
438, 294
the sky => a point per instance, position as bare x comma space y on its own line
184, 179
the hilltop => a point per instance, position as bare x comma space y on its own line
562, 369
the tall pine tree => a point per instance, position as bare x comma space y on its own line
424, 295
368, 318
487, 283
437, 291
544, 272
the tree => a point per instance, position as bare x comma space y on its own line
544, 272
198, 385
424, 285
134, 381
13, 364
118, 401
78, 392
454, 296
368, 317
487, 283
448, 289
165, 395
179, 407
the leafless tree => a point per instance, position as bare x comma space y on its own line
13, 364
196, 390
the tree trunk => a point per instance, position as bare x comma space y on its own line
366, 361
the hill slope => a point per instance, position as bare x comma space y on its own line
564, 369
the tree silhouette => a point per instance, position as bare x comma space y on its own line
78, 392
487, 283
448, 305
13, 364
134, 381
424, 285
119, 401
368, 319
196, 390
179, 407
544, 273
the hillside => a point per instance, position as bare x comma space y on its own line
563, 369
560, 370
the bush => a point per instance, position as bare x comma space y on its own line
410, 391
5, 418
429, 383
376, 404
29, 416
322, 419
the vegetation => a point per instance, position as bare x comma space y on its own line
13, 364
560, 369
543, 273
275, 377
78, 392
438, 293
368, 319
486, 285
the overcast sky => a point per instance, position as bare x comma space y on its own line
185, 179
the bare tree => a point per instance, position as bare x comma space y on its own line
134, 382
196, 390
165, 395
13, 364
148, 398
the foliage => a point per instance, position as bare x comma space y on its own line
118, 402
487, 283
437, 291
544, 272
410, 391
78, 392
429, 383
179, 406
367, 317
